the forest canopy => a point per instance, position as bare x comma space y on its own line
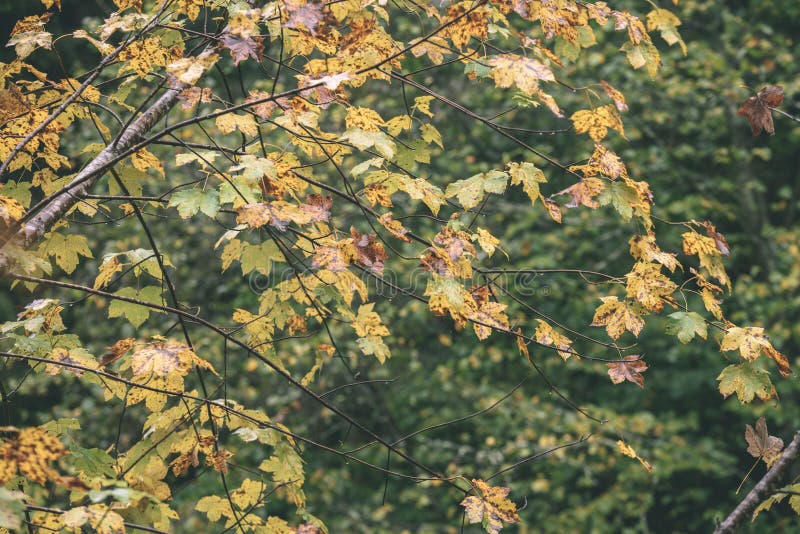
373, 266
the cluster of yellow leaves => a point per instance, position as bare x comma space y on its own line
30, 453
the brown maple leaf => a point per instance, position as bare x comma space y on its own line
760, 444
242, 47
756, 109
305, 16
369, 253
719, 239
630, 369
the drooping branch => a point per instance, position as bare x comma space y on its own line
761, 490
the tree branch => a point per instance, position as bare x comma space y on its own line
88, 176
762, 490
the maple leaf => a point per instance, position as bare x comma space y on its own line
305, 15
648, 286
546, 335
597, 121
709, 252
644, 54
760, 444
330, 257
165, 357
489, 316
368, 252
28, 34
584, 193
491, 507
685, 325
420, 189
29, 453
616, 96
529, 176
630, 369
749, 341
470, 191
756, 109
486, 240
617, 317
644, 247
242, 47
747, 382
523, 72
10, 210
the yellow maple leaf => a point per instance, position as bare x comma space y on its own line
709, 254
366, 119
525, 73
617, 317
597, 121
749, 341
644, 247
142, 56
547, 335
648, 286
10, 210
231, 122
29, 453
489, 316
491, 507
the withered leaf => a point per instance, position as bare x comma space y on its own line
241, 47
491, 507
760, 444
630, 369
369, 253
305, 15
756, 109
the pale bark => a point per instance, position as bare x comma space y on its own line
90, 174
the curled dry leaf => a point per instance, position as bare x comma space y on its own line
756, 109
760, 444
630, 369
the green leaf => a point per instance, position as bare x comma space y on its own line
621, 196
93, 462
255, 167
260, 257
60, 427
12, 508
686, 325
136, 314
431, 135
190, 201
746, 381
374, 345
470, 192
363, 140
529, 176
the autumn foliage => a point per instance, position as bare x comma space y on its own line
257, 132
